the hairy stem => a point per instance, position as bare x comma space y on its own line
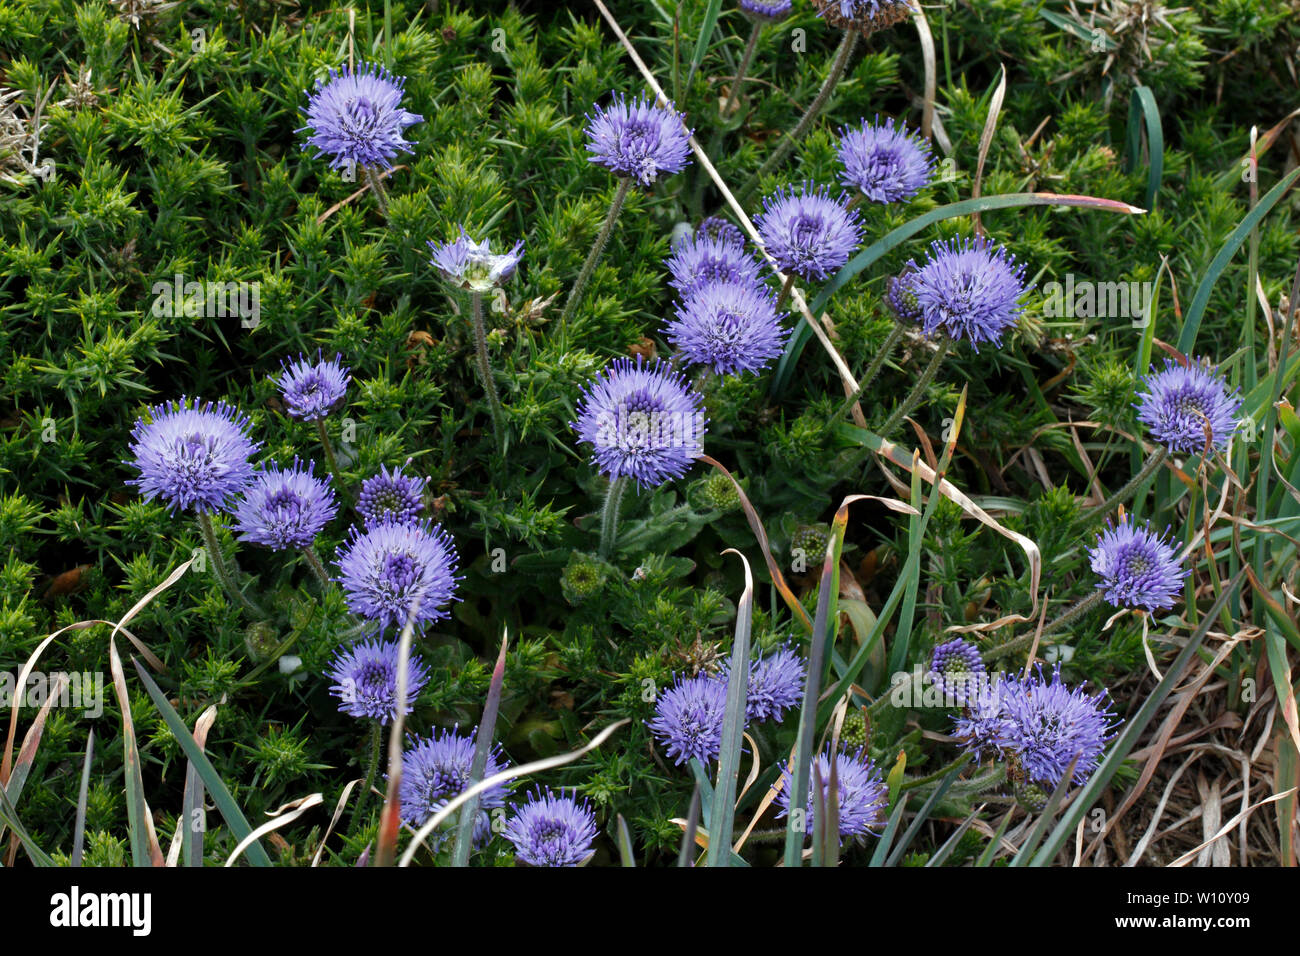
484, 366
869, 376
609, 515
918, 390
1120, 497
1077, 610
222, 570
377, 187
788, 143
593, 257
375, 740
745, 61
314, 562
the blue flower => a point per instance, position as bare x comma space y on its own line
807, 232
887, 165
968, 290
700, 259
365, 679
311, 390
732, 326
356, 118
957, 668
639, 139
193, 457
766, 11
284, 507
865, 16
1181, 402
863, 796
1137, 567
1052, 725
776, 684
642, 420
437, 768
390, 496
551, 830
384, 569
472, 265
688, 718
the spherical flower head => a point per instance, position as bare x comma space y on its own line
688, 718
969, 290
638, 140
390, 496
285, 507
1137, 567
552, 830
1178, 404
1052, 725
863, 796
356, 118
766, 11
642, 420
957, 668
311, 390
715, 227
191, 456
382, 571
900, 296
865, 16
731, 326
983, 728
471, 265
700, 259
776, 684
885, 164
807, 232
437, 768
365, 679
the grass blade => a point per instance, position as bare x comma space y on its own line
482, 747
921, 816
229, 810
1143, 112
688, 834
950, 844
733, 727
79, 828
702, 41
626, 854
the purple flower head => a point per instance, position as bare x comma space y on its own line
887, 165
807, 232
311, 390
1051, 725
472, 265
639, 140
284, 507
863, 796
688, 718
900, 296
865, 16
384, 569
1137, 567
715, 227
957, 668
437, 768
642, 420
365, 679
551, 830
700, 259
984, 726
357, 119
390, 496
969, 290
194, 457
776, 683
731, 326
766, 11
1180, 402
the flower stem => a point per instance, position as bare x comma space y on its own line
598, 247
1024, 640
734, 96
918, 390
375, 733
314, 562
869, 376
222, 570
484, 366
784, 295
328, 448
789, 142
1120, 497
377, 187
609, 515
